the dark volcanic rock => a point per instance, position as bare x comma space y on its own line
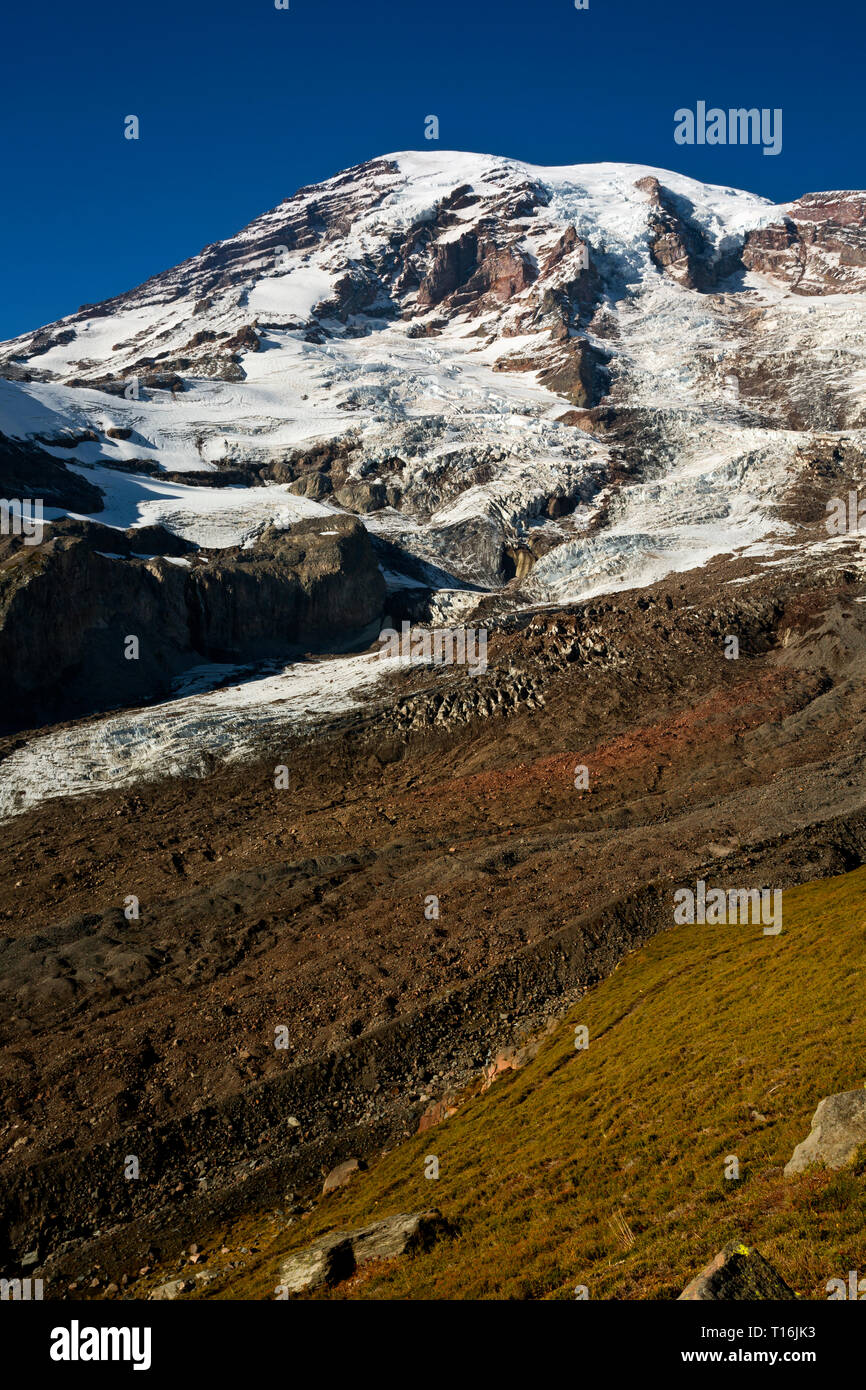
27, 471
67, 609
156, 540
135, 541
677, 244
575, 369
314, 485
44, 340
737, 1273
361, 495
303, 585
453, 263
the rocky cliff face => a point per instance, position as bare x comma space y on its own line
69, 606
26, 470
817, 247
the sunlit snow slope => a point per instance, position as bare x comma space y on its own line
564, 379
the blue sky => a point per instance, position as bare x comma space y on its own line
241, 103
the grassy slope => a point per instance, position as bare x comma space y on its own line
688, 1037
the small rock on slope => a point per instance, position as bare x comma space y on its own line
737, 1273
337, 1255
339, 1176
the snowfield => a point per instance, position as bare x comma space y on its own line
185, 737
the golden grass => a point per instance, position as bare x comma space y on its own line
605, 1167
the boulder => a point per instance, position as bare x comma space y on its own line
361, 495
175, 1287
838, 1130
316, 485
508, 1059
407, 1233
172, 1289
336, 1256
339, 1176
737, 1273
326, 1262
436, 1112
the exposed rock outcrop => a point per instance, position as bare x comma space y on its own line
26, 471
737, 1273
329, 1261
69, 606
818, 246
677, 245
338, 1254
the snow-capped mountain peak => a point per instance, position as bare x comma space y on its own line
563, 378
